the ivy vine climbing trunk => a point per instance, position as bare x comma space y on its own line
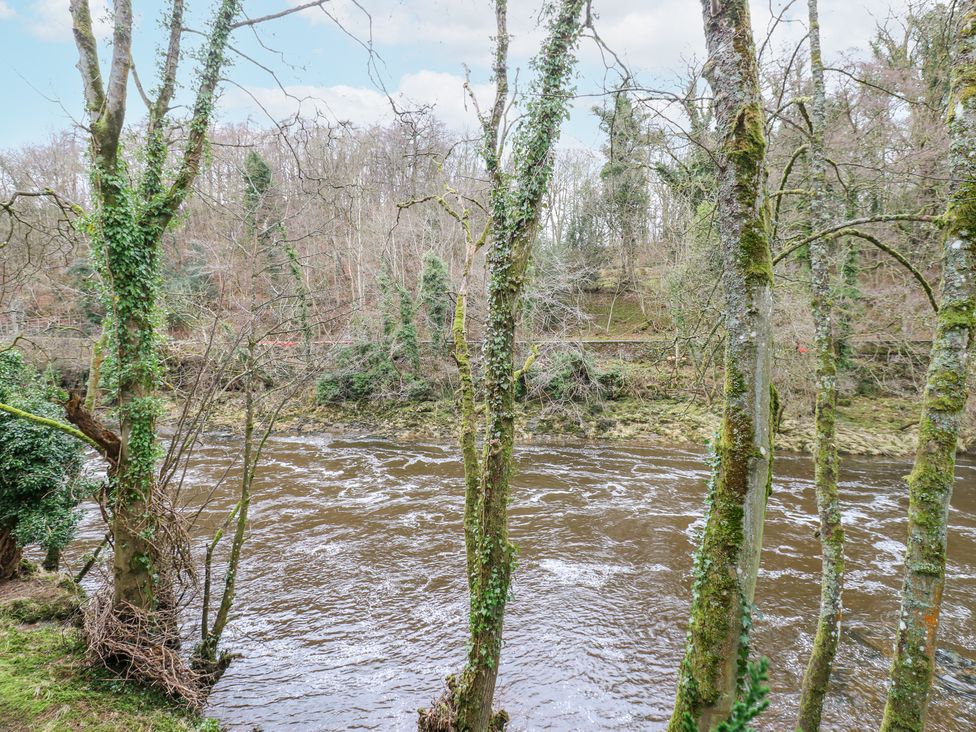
817, 675
727, 561
946, 391
126, 228
515, 207
468, 420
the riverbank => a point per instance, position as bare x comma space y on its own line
45, 683
880, 426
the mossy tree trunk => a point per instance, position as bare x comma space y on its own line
946, 391
260, 220
817, 675
126, 230
515, 207
10, 553
468, 420
727, 561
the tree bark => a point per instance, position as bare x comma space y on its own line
946, 391
817, 675
130, 224
52, 559
515, 210
468, 424
727, 561
10, 554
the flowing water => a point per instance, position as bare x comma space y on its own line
352, 602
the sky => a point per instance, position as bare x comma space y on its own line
317, 62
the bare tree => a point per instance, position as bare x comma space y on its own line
515, 208
817, 675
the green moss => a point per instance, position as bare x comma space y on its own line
946, 391
747, 144
754, 252
746, 151
39, 596
45, 685
957, 314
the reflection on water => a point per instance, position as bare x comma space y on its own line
351, 599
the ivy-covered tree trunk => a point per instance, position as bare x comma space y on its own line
126, 229
515, 209
946, 391
727, 562
817, 675
468, 421
130, 262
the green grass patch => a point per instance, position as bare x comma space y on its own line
626, 319
45, 686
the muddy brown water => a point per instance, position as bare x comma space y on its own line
351, 599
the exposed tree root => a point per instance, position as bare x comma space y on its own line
141, 647
441, 716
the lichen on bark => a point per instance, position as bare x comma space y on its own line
727, 560
946, 392
817, 675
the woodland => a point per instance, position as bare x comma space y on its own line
773, 253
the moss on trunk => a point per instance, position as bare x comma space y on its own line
931, 479
515, 209
727, 561
817, 675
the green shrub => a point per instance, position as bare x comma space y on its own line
40, 468
329, 389
436, 300
417, 389
572, 376
359, 372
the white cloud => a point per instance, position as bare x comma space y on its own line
658, 39
362, 106
6, 11
653, 35
50, 20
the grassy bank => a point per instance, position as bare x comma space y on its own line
45, 684
866, 425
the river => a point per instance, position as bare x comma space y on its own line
352, 602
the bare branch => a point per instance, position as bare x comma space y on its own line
91, 72
280, 14
891, 251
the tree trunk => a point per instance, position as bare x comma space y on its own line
817, 675
129, 224
95, 372
10, 554
946, 391
52, 559
515, 215
468, 425
727, 562
131, 263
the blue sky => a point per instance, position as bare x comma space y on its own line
421, 47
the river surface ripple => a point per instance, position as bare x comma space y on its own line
351, 602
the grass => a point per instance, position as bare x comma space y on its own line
627, 320
38, 595
45, 686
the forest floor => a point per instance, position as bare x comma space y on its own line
45, 683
